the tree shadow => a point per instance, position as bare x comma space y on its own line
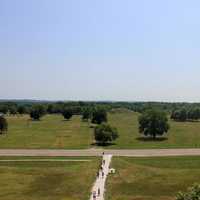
93, 126
188, 120
65, 120
102, 144
150, 139
34, 120
193, 121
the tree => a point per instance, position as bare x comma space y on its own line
104, 133
99, 116
153, 123
37, 112
13, 110
184, 114
67, 113
22, 110
194, 114
179, 115
193, 193
3, 125
4, 109
86, 114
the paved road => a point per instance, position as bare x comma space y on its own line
98, 188
98, 152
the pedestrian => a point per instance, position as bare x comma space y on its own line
98, 191
104, 162
97, 174
102, 174
94, 195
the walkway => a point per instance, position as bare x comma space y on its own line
98, 152
98, 189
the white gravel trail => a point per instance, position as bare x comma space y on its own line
100, 182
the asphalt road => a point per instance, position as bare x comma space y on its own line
98, 152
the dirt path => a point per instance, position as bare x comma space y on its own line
98, 152
98, 189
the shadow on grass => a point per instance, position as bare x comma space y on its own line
65, 120
93, 126
34, 120
103, 144
150, 139
188, 120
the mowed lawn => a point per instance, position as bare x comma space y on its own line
152, 178
47, 180
51, 132
181, 134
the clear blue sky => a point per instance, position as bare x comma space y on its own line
100, 49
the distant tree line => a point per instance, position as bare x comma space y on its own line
190, 114
25, 106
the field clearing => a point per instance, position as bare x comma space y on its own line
41, 180
151, 178
52, 132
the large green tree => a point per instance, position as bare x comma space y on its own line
3, 125
104, 133
153, 123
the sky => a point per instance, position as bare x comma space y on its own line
119, 50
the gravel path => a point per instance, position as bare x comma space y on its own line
98, 189
44, 160
98, 152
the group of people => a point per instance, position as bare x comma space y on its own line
100, 174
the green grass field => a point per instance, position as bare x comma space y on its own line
181, 134
151, 178
47, 180
51, 132
54, 133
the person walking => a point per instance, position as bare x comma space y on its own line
102, 174
104, 162
98, 191
94, 195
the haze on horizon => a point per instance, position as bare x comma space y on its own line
100, 50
